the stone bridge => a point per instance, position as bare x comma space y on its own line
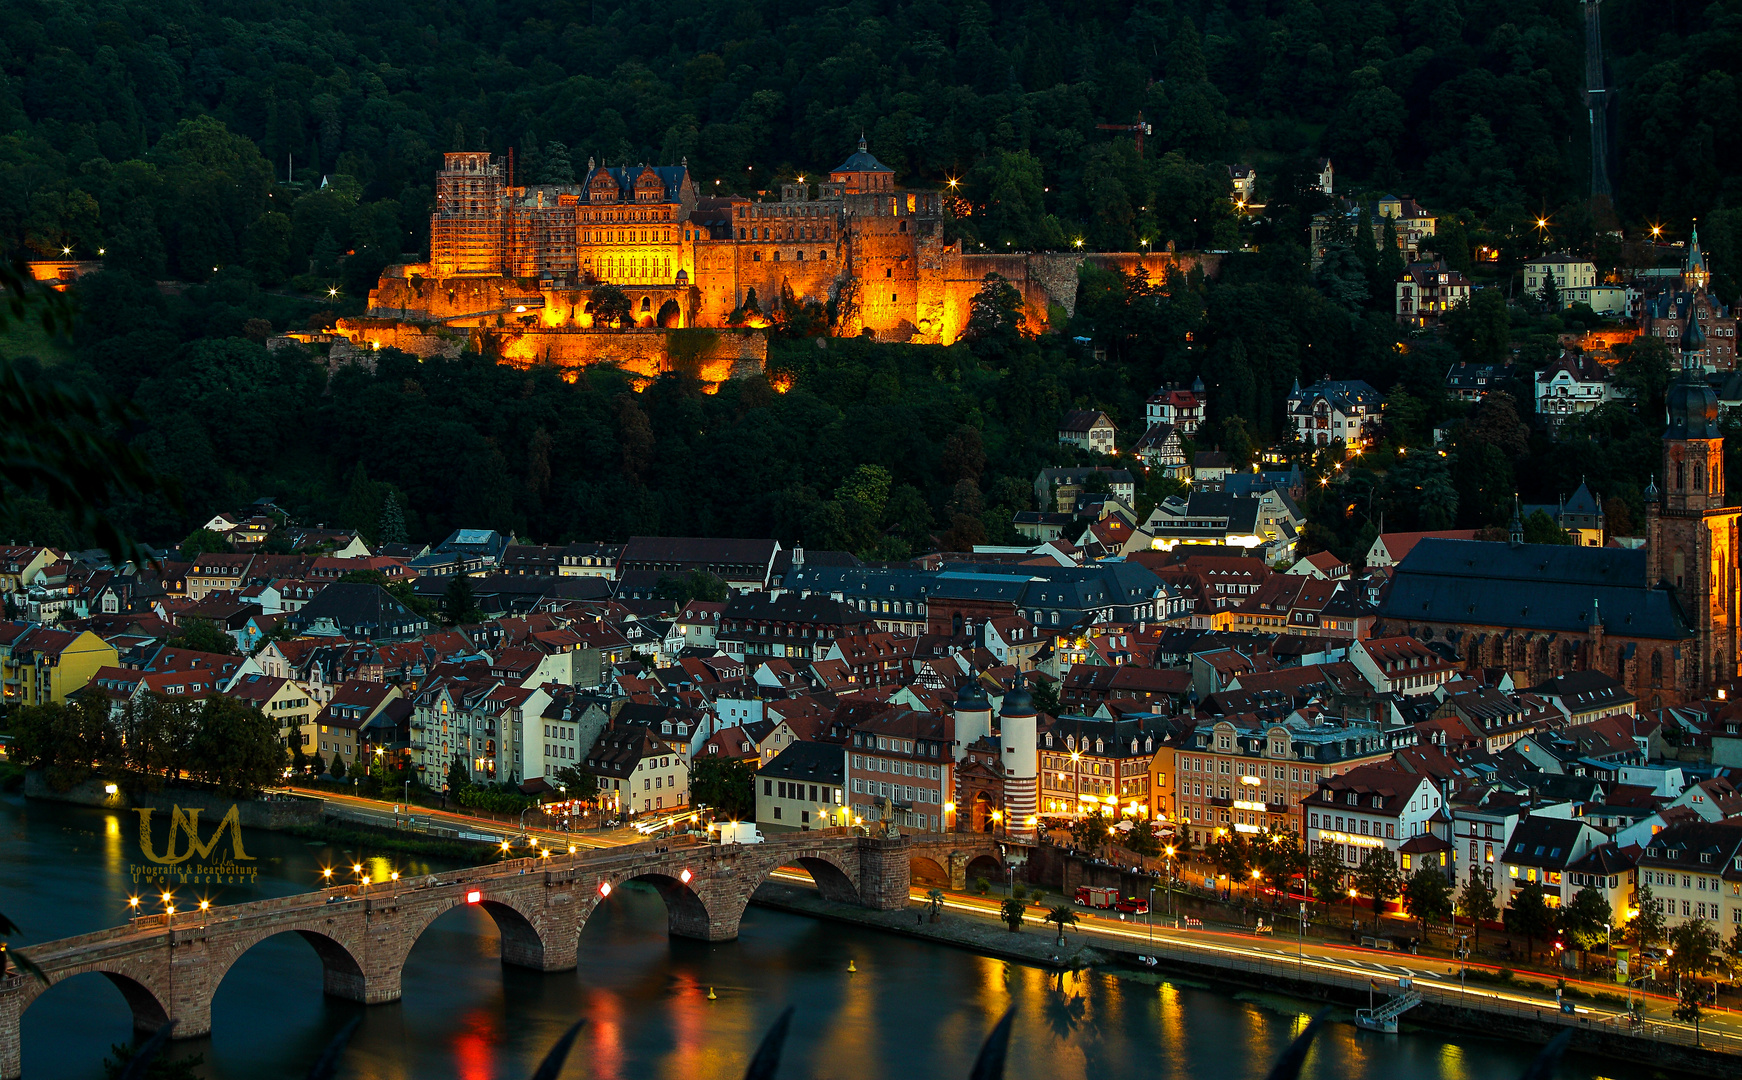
956, 857
170, 966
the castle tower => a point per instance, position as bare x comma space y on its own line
465, 232
1691, 533
1018, 735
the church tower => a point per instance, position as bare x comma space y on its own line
1694, 275
1691, 533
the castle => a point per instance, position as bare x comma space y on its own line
511, 267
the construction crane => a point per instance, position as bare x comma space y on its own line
1140, 129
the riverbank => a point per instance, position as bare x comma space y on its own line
1447, 1006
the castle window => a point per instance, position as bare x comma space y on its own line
822, 256
777, 256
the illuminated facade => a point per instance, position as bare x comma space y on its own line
514, 264
1691, 535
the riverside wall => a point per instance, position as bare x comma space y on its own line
277, 811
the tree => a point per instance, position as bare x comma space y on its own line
556, 167
1530, 916
725, 785
1695, 947
337, 770
1476, 903
1091, 832
202, 635
1378, 878
1061, 916
1427, 896
1644, 373
202, 541
1280, 859
390, 526
580, 786
1325, 872
1481, 327
610, 306
1551, 293
1142, 840
995, 317
1046, 696
1688, 1009
236, 748
459, 777
458, 607
1231, 854
1648, 919
1584, 919
67, 740
695, 585
1011, 912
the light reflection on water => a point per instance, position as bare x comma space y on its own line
910, 1011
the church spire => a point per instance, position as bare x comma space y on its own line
1694, 272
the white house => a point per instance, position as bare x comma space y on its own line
1574, 384
1335, 410
1380, 806
1090, 429
1574, 276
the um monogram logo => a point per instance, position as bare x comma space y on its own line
188, 822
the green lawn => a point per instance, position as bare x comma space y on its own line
29, 339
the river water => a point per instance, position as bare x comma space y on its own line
911, 1011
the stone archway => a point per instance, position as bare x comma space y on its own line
145, 1005
928, 871
981, 813
341, 973
670, 315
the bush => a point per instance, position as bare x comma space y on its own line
981, 885
1019, 891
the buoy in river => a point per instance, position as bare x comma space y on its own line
711, 995
850, 968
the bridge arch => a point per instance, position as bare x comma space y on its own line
833, 881
923, 869
145, 1005
533, 940
983, 864
688, 913
341, 972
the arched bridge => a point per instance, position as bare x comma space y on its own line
170, 966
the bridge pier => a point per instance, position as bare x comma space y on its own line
958, 870
885, 873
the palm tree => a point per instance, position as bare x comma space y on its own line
1011, 912
1063, 916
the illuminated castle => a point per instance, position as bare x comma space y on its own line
516, 264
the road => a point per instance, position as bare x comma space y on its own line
381, 814
1718, 1028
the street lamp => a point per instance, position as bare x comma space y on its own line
1351, 909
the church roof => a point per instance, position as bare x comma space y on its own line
862, 161
1543, 587
1696, 259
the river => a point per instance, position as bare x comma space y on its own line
911, 1011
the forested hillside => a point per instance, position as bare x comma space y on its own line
163, 135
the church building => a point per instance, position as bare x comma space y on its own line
1661, 621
